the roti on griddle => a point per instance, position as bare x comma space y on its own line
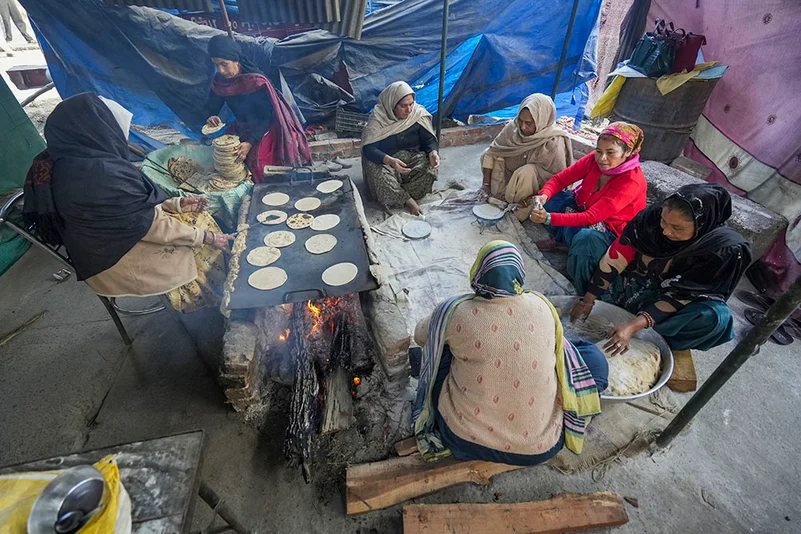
325, 222
267, 278
300, 220
321, 243
340, 274
307, 204
279, 239
329, 186
275, 199
271, 217
263, 256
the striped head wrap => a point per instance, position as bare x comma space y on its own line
499, 271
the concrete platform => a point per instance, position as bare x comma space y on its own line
67, 383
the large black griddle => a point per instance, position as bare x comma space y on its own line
304, 270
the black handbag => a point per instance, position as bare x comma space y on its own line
655, 52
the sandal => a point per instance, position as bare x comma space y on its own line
755, 300
762, 302
780, 336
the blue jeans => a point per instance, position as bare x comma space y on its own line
466, 450
586, 247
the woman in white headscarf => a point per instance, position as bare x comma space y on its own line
399, 149
527, 152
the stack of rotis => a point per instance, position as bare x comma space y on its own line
231, 173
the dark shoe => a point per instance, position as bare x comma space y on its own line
551, 245
780, 336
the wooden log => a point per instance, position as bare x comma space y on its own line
683, 378
406, 447
563, 513
383, 484
337, 403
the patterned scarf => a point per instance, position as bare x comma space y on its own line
499, 272
630, 134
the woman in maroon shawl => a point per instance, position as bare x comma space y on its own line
269, 130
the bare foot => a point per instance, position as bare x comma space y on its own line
413, 207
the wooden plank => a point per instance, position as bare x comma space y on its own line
338, 405
683, 378
406, 447
561, 514
383, 484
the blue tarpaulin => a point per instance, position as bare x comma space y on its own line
156, 65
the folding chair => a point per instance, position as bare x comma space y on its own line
59, 253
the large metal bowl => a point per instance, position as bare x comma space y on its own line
69, 502
618, 316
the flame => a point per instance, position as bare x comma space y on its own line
356, 380
322, 313
284, 336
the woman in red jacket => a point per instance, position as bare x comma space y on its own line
587, 219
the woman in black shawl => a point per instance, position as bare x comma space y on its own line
674, 265
123, 235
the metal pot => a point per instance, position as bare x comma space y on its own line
69, 501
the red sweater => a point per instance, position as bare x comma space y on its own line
615, 204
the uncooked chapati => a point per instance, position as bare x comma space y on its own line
329, 186
267, 278
279, 239
325, 222
263, 256
275, 199
300, 220
634, 372
307, 204
340, 274
320, 244
271, 217
208, 129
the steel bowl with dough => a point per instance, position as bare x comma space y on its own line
271, 217
275, 199
321, 243
340, 274
263, 256
325, 222
267, 278
279, 239
635, 371
329, 186
307, 204
300, 220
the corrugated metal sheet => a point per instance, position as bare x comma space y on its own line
343, 17
352, 19
300, 11
188, 5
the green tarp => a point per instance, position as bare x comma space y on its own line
20, 143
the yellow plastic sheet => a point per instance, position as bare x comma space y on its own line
605, 104
19, 491
671, 82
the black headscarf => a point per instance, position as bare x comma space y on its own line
714, 259
224, 47
104, 204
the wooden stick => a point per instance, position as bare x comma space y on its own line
562, 513
226, 19
383, 484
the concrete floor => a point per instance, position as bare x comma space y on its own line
67, 384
